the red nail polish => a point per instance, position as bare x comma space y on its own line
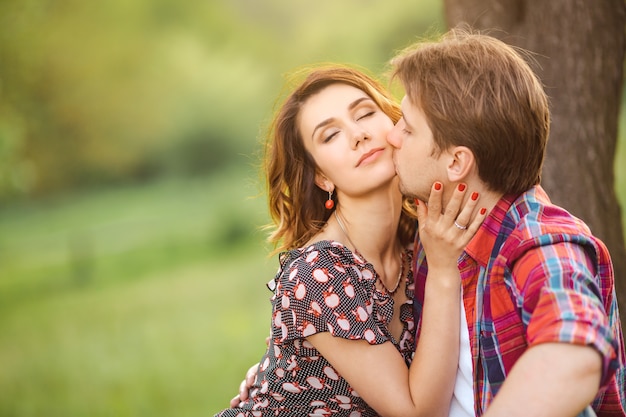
437, 186
483, 210
461, 187
417, 202
474, 196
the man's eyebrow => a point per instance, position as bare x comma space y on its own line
330, 119
406, 122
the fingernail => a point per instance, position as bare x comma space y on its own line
461, 187
417, 202
474, 196
437, 186
483, 210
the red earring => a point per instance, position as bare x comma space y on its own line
329, 204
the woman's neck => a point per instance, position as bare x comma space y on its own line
370, 231
376, 241
369, 226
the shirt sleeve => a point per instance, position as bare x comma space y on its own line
562, 301
320, 291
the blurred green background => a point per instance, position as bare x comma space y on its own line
132, 267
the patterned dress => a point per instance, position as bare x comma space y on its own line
322, 288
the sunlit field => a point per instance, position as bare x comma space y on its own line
148, 300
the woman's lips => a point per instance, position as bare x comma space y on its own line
369, 156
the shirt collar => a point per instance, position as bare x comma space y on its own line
481, 245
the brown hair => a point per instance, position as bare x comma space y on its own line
476, 91
296, 204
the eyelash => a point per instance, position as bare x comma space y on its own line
404, 129
328, 138
368, 114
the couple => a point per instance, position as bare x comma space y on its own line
503, 305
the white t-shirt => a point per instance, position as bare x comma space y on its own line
462, 404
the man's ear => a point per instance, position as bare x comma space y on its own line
461, 164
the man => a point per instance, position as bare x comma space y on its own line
543, 336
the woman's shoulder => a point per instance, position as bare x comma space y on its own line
327, 257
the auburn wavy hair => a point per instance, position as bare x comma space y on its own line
296, 204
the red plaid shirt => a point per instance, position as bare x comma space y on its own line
534, 274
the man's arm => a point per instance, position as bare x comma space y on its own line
568, 334
549, 379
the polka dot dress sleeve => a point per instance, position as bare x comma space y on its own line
325, 288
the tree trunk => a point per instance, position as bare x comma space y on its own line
579, 47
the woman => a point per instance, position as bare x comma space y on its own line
342, 327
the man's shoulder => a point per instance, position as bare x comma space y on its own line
532, 214
532, 221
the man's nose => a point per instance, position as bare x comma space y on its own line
393, 138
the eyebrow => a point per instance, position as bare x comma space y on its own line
330, 119
406, 122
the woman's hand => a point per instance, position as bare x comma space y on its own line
244, 386
247, 382
444, 232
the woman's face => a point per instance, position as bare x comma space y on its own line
345, 131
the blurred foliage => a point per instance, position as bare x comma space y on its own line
106, 92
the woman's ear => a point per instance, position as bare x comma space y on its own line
324, 183
461, 164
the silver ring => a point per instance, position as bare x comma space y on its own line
459, 226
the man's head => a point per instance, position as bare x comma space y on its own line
476, 93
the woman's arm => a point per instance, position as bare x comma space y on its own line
378, 372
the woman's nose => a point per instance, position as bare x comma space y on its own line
359, 135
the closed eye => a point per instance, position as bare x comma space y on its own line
404, 126
329, 137
366, 115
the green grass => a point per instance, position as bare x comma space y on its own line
130, 302
176, 344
